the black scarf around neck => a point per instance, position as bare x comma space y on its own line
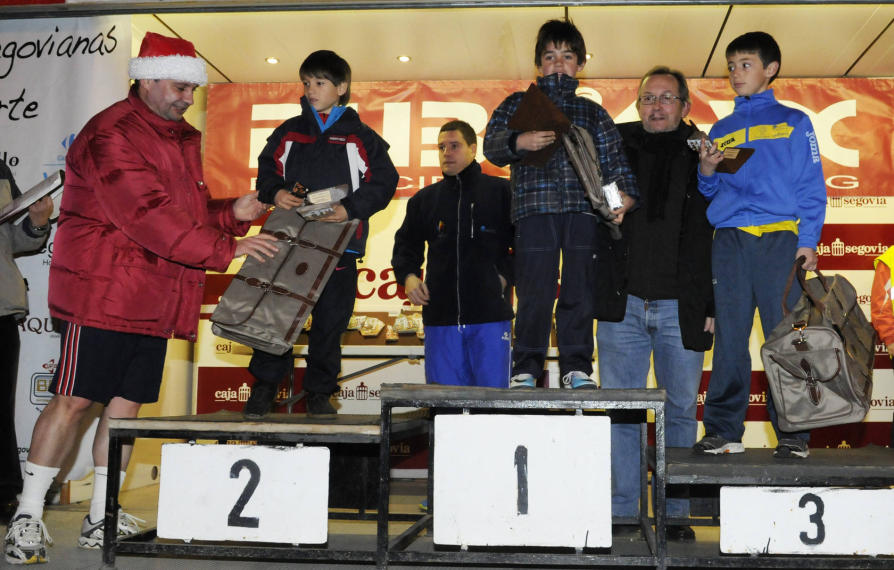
655, 181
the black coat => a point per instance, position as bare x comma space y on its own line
696, 296
464, 219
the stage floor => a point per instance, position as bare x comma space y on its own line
64, 524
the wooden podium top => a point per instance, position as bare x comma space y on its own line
436, 395
863, 466
347, 428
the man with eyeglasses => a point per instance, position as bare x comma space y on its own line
668, 304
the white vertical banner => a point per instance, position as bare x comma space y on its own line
54, 75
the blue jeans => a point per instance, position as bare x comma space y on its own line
468, 355
539, 242
650, 328
749, 272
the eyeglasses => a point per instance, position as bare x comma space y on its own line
665, 99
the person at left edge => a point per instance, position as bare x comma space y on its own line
464, 219
326, 145
137, 230
15, 239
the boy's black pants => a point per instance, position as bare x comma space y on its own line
330, 319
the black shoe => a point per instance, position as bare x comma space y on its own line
261, 400
318, 405
792, 447
679, 533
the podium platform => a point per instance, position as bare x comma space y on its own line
870, 467
865, 467
404, 549
275, 429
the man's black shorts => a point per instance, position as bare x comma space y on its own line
98, 364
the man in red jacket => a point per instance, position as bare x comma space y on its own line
137, 230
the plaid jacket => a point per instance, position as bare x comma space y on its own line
555, 189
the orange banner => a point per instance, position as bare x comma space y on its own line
852, 119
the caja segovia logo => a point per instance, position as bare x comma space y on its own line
857, 201
838, 248
229, 395
361, 392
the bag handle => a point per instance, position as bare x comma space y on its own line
802, 275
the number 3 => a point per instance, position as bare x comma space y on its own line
816, 518
236, 518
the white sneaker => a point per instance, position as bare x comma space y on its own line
92, 533
577, 380
27, 540
522, 381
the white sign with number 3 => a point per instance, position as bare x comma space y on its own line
805, 520
522, 480
244, 493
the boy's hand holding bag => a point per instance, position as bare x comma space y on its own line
819, 359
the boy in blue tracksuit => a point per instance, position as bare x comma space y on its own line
464, 222
766, 214
326, 145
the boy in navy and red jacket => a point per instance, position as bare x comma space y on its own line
326, 145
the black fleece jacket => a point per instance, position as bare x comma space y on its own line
464, 219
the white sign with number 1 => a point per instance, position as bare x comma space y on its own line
805, 520
522, 480
244, 493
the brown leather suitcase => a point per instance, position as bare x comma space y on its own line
267, 303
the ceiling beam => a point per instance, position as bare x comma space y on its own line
88, 8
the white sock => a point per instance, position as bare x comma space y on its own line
98, 499
37, 481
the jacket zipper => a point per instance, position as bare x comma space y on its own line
459, 201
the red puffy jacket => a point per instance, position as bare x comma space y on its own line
137, 227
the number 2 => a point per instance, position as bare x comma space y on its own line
816, 518
235, 518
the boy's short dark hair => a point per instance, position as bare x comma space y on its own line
328, 64
675, 73
760, 43
560, 32
464, 128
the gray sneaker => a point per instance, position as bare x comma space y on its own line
27, 540
577, 380
791, 447
92, 533
713, 444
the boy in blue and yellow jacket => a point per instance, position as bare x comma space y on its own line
326, 145
767, 213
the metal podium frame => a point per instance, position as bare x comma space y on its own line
871, 467
535, 400
276, 429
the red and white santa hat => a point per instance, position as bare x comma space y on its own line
162, 57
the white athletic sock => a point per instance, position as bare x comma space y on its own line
37, 481
98, 499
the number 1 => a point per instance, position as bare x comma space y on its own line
521, 468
